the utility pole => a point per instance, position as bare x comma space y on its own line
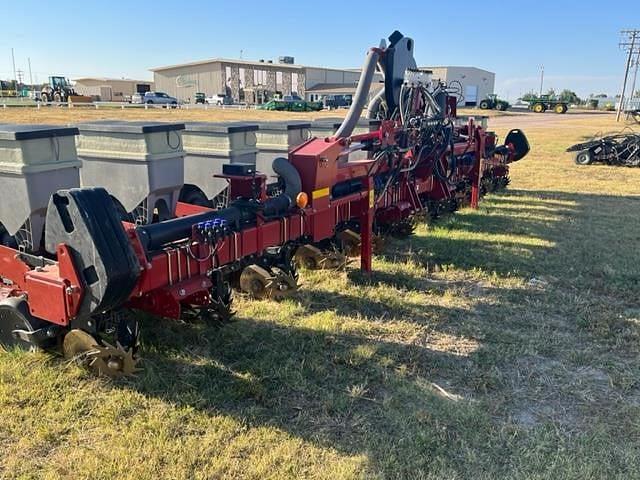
15, 77
541, 77
629, 44
30, 75
635, 77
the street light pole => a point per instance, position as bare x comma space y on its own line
541, 77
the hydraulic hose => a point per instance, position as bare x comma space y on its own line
293, 186
156, 235
374, 104
361, 95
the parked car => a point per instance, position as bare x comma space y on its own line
337, 101
219, 99
292, 98
158, 98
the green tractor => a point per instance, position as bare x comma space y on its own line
492, 102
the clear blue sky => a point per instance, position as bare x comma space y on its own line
576, 41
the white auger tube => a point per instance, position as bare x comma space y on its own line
361, 95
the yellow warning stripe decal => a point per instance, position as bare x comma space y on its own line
322, 192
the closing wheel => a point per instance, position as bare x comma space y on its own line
350, 242
312, 258
262, 283
378, 243
539, 108
100, 357
584, 158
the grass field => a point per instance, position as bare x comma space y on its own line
498, 343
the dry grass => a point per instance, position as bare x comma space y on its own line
59, 115
499, 343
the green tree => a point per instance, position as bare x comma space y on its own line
527, 97
569, 96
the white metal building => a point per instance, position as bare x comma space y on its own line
476, 82
111, 89
252, 81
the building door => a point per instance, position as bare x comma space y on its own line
470, 95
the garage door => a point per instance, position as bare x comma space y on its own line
470, 95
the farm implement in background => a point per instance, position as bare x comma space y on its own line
619, 149
542, 103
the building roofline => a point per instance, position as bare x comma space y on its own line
227, 60
457, 66
109, 79
288, 66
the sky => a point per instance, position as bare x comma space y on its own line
576, 41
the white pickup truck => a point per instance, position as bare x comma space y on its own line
219, 99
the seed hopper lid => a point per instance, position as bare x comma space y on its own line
32, 132
327, 123
221, 127
291, 125
120, 126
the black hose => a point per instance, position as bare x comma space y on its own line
293, 186
240, 212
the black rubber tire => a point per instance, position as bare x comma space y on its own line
501, 106
15, 315
484, 105
149, 102
539, 108
560, 109
6, 239
584, 157
57, 97
194, 196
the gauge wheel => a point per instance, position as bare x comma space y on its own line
584, 157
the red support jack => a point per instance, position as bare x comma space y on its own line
476, 175
366, 224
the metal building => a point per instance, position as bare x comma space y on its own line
251, 81
476, 83
111, 89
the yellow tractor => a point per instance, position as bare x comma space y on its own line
59, 89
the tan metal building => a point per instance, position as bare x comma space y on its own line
111, 89
476, 83
249, 81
